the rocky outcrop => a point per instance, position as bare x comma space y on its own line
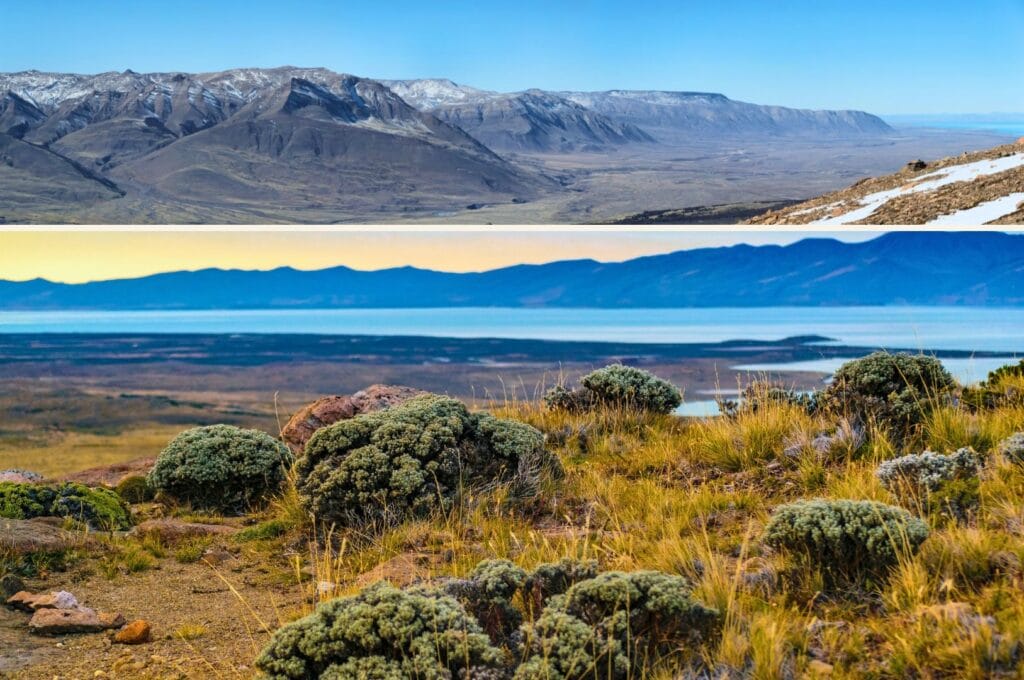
174, 531
329, 410
27, 536
20, 476
112, 475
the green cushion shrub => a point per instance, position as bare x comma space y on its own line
893, 391
1013, 448
135, 489
620, 387
413, 459
221, 468
939, 483
850, 542
99, 508
616, 625
383, 633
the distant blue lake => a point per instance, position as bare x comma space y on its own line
972, 329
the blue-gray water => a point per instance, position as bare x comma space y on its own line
1010, 126
974, 329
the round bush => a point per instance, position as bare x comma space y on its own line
617, 386
1013, 448
849, 541
932, 481
221, 468
97, 507
616, 625
383, 633
894, 391
135, 489
414, 458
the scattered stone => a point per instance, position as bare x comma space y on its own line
916, 166
65, 621
112, 475
27, 536
217, 555
402, 569
10, 584
960, 613
22, 601
20, 476
61, 599
329, 410
135, 633
1005, 562
111, 620
818, 669
173, 531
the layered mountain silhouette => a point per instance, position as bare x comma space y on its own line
927, 268
309, 143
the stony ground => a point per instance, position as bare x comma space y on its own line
919, 208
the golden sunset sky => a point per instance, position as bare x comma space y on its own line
78, 256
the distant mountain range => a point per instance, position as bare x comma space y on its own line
247, 144
920, 268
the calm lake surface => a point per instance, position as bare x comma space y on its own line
974, 329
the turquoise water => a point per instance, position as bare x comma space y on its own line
973, 329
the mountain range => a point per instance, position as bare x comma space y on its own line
920, 268
251, 144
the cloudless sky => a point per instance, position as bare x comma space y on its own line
77, 256
884, 56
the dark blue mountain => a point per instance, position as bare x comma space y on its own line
922, 268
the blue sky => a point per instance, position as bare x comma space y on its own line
910, 56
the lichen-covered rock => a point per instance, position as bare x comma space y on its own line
415, 458
616, 625
617, 386
222, 468
99, 508
849, 541
894, 391
20, 476
383, 633
329, 410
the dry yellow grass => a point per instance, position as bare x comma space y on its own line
66, 452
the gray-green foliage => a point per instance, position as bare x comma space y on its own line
617, 386
895, 391
383, 633
616, 625
848, 541
414, 458
1013, 448
221, 467
946, 484
928, 471
99, 508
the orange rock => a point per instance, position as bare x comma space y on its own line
135, 633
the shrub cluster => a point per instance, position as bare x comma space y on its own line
617, 386
850, 542
758, 395
97, 507
613, 625
135, 489
221, 468
1013, 448
932, 481
383, 633
894, 391
414, 458
1001, 388
616, 625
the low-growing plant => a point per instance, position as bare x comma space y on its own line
932, 481
892, 391
191, 550
264, 531
190, 631
416, 458
617, 386
759, 395
135, 489
221, 468
386, 633
849, 542
616, 625
98, 508
1012, 448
